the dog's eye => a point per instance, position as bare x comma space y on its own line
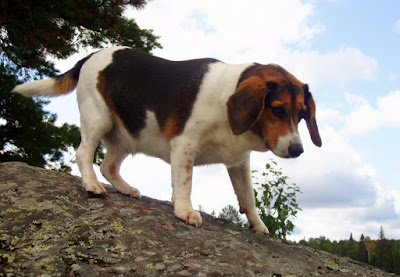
302, 114
278, 112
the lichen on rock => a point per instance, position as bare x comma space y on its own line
50, 226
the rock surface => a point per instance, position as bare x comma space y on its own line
50, 226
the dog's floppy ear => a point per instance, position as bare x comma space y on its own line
310, 117
246, 104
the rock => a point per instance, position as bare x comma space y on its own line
50, 226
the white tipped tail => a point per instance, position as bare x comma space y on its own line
49, 87
53, 86
37, 88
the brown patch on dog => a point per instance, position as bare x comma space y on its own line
246, 104
188, 168
172, 126
112, 170
270, 128
65, 83
263, 88
310, 118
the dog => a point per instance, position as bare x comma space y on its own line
187, 113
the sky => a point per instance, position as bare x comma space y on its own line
348, 53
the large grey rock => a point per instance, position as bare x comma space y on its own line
50, 226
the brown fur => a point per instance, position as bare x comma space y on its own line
266, 87
65, 83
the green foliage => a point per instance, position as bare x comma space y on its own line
28, 133
362, 250
230, 213
382, 253
276, 200
30, 33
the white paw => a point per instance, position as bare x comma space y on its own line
95, 188
190, 217
260, 227
132, 192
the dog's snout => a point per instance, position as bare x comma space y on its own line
295, 150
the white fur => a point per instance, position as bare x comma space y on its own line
206, 138
283, 143
37, 88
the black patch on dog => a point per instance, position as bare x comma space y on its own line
73, 72
136, 82
247, 72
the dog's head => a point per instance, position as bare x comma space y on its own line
270, 102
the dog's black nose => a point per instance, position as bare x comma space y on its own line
295, 150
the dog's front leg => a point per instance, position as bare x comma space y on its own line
182, 160
241, 180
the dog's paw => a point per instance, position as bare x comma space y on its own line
260, 227
132, 192
95, 188
190, 217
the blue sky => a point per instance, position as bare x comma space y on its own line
347, 51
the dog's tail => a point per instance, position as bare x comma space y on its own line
55, 86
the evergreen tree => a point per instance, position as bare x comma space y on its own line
33, 30
230, 213
28, 133
362, 250
383, 252
352, 250
396, 257
30, 32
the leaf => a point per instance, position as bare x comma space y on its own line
279, 198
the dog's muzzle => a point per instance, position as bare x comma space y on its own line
295, 150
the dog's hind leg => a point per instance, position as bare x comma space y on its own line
84, 156
110, 169
96, 122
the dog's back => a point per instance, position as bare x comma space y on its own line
136, 82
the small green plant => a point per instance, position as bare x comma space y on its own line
276, 200
230, 213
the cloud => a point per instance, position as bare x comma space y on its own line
331, 176
397, 27
264, 32
335, 67
365, 118
228, 30
338, 185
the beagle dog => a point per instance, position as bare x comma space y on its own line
186, 113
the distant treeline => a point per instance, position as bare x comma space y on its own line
382, 253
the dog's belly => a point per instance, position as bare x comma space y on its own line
156, 145
152, 142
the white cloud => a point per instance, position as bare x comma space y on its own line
397, 27
230, 30
338, 186
365, 118
336, 67
263, 31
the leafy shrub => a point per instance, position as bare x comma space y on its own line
276, 200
